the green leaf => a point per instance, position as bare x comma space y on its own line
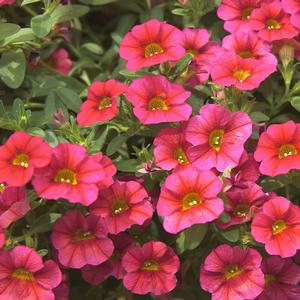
51, 138
231, 235
12, 68
8, 29
36, 131
115, 144
64, 13
43, 223
69, 98
295, 89
93, 48
127, 165
296, 102
23, 35
259, 117
97, 2
181, 65
25, 2
41, 25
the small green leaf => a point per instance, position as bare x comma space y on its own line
44, 223
296, 102
127, 165
259, 117
231, 235
8, 29
64, 13
36, 131
181, 65
97, 2
41, 25
115, 144
26, 2
93, 48
23, 35
69, 98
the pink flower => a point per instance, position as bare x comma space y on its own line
25, 276
72, 175
60, 61
113, 267
293, 7
237, 14
278, 227
20, 156
247, 44
157, 100
278, 149
101, 104
122, 205
150, 44
243, 73
62, 291
6, 2
170, 149
150, 269
281, 279
2, 238
13, 204
189, 197
230, 273
218, 136
81, 240
272, 23
243, 203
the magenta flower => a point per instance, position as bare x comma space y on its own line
278, 227
2, 237
13, 204
122, 205
150, 269
62, 291
20, 156
101, 104
81, 240
150, 44
189, 197
112, 267
25, 276
278, 149
157, 100
272, 23
281, 279
72, 175
60, 61
243, 73
230, 273
6, 2
293, 7
218, 136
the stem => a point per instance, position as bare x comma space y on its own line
28, 10
33, 105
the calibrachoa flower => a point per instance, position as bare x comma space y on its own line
81, 240
2, 239
157, 100
150, 269
243, 203
62, 291
60, 61
13, 204
243, 73
6, 2
101, 104
25, 276
281, 279
189, 197
20, 156
293, 7
150, 44
112, 267
272, 23
230, 273
122, 205
170, 149
218, 136
72, 175
278, 149
278, 227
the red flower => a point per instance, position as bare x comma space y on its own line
293, 7
60, 61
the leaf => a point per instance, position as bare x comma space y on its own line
127, 165
23, 35
115, 144
97, 2
51, 138
36, 131
41, 25
93, 48
181, 65
231, 235
64, 13
43, 223
69, 98
8, 29
12, 68
259, 117
296, 102
26, 2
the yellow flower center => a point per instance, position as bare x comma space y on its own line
190, 200
246, 54
246, 13
21, 160
118, 207
287, 150
150, 265
83, 236
193, 52
241, 210
2, 187
215, 139
233, 271
105, 102
180, 156
273, 24
66, 176
153, 49
241, 75
269, 278
278, 227
22, 274
157, 103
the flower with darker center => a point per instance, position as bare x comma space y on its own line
246, 54
215, 139
269, 278
118, 207
241, 210
150, 265
105, 102
66, 176
22, 274
180, 156
157, 103
2, 187
153, 49
246, 13
21, 160
190, 200
273, 24
278, 227
287, 150
81, 235
193, 52
241, 75
233, 271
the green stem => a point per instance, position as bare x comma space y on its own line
33, 105
28, 10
